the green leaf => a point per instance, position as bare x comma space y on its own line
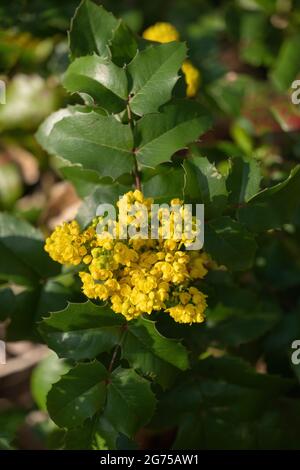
154, 74
243, 181
91, 29
130, 401
166, 182
147, 350
82, 331
47, 125
96, 142
287, 65
31, 305
104, 193
159, 136
237, 330
229, 95
205, 185
78, 395
95, 434
22, 256
258, 42
123, 45
84, 181
237, 371
229, 243
48, 371
272, 207
45, 129
98, 77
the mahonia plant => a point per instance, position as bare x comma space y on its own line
122, 363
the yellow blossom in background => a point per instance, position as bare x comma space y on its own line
192, 77
161, 32
136, 276
166, 32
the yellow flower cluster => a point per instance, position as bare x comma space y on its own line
138, 275
166, 32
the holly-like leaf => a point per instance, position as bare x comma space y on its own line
160, 135
91, 29
123, 45
96, 142
22, 255
154, 74
166, 182
82, 331
272, 207
45, 129
229, 243
130, 401
78, 395
205, 185
95, 434
98, 77
244, 179
147, 350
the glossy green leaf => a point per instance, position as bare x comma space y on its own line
44, 131
98, 77
159, 136
130, 401
147, 350
95, 434
91, 29
165, 183
154, 74
78, 395
205, 185
123, 45
96, 142
229, 243
272, 207
82, 331
243, 181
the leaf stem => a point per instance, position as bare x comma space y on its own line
116, 350
136, 173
